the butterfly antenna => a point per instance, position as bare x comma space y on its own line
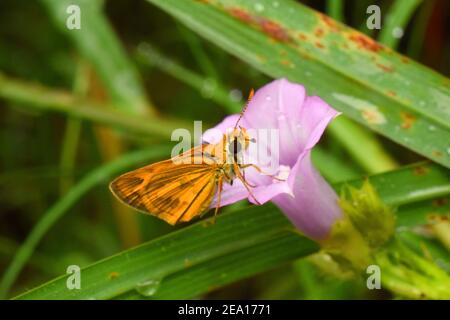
250, 96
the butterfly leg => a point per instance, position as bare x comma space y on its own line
245, 183
249, 184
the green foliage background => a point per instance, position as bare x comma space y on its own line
79, 107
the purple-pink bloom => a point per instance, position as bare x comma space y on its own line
304, 196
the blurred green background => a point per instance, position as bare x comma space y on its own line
67, 107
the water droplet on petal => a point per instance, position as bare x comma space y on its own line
268, 98
148, 287
281, 117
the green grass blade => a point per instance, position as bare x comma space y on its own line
97, 176
73, 130
216, 92
362, 145
39, 97
396, 21
370, 83
331, 167
98, 44
414, 183
422, 212
201, 244
335, 9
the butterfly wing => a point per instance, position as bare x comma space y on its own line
171, 190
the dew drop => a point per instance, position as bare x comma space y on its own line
397, 32
281, 117
268, 98
235, 95
148, 287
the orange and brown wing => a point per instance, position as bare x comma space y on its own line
171, 191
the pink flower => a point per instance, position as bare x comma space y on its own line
297, 122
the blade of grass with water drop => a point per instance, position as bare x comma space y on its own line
204, 277
372, 84
396, 20
160, 258
171, 257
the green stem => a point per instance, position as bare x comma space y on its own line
331, 167
73, 130
39, 97
362, 145
68, 153
209, 87
97, 176
335, 9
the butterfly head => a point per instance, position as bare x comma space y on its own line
238, 140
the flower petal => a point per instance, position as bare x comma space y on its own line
314, 208
277, 105
230, 194
306, 198
315, 116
